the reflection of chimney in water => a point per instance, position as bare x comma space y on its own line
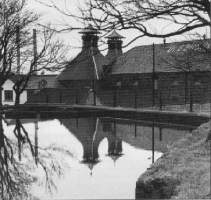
90, 155
114, 144
87, 131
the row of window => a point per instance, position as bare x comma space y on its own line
136, 83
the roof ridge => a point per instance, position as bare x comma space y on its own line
162, 44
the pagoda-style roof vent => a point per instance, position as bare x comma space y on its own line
115, 35
114, 46
89, 30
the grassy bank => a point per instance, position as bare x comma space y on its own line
181, 173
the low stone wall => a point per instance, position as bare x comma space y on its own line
181, 173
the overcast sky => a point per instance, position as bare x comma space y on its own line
73, 38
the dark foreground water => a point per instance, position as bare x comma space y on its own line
88, 158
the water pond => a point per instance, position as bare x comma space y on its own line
85, 158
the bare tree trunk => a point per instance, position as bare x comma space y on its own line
1, 90
18, 129
1, 132
1, 121
17, 98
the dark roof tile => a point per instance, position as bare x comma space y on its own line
86, 66
140, 59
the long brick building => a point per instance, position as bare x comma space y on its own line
151, 75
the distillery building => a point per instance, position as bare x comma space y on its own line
145, 76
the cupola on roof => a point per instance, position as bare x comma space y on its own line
87, 65
89, 30
114, 35
114, 46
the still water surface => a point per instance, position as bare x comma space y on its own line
93, 158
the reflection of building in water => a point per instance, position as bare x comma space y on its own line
140, 134
114, 144
87, 131
144, 135
91, 131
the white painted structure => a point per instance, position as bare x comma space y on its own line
8, 94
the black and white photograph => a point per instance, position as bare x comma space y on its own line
105, 99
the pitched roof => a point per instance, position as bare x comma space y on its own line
89, 29
167, 56
50, 81
114, 35
86, 66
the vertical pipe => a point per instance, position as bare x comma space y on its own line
135, 129
153, 142
114, 126
190, 92
77, 122
94, 92
153, 74
161, 102
135, 103
35, 51
18, 48
47, 99
114, 97
160, 134
117, 97
186, 87
76, 97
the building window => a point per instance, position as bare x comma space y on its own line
42, 84
8, 95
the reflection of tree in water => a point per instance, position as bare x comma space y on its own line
13, 178
19, 159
